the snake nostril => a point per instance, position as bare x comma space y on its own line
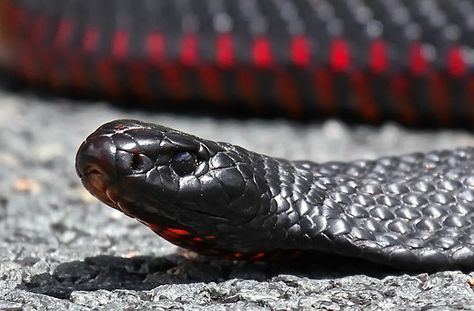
139, 162
133, 163
136, 163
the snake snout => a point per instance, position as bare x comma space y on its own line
95, 165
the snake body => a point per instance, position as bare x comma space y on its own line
404, 60
410, 212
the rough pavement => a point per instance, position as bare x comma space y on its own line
60, 249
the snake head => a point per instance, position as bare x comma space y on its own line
183, 187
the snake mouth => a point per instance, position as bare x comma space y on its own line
207, 214
98, 184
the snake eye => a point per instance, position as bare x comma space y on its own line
184, 163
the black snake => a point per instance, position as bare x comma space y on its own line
403, 60
411, 212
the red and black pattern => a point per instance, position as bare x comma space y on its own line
404, 60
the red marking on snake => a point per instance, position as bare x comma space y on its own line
60, 74
120, 44
155, 47
211, 83
107, 68
189, 49
63, 34
262, 53
90, 40
247, 84
225, 51
178, 231
33, 67
178, 236
417, 60
324, 89
259, 255
378, 61
456, 62
175, 83
365, 98
139, 81
38, 30
400, 89
300, 51
16, 15
79, 76
286, 90
236, 255
171, 72
108, 77
339, 57
26, 64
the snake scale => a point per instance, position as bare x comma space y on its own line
409, 61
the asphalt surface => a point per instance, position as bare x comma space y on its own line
60, 249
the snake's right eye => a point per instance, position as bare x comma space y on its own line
184, 163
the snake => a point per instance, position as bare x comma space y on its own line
370, 61
412, 212
402, 60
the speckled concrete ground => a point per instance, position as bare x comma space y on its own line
60, 249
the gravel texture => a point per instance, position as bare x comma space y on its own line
60, 249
